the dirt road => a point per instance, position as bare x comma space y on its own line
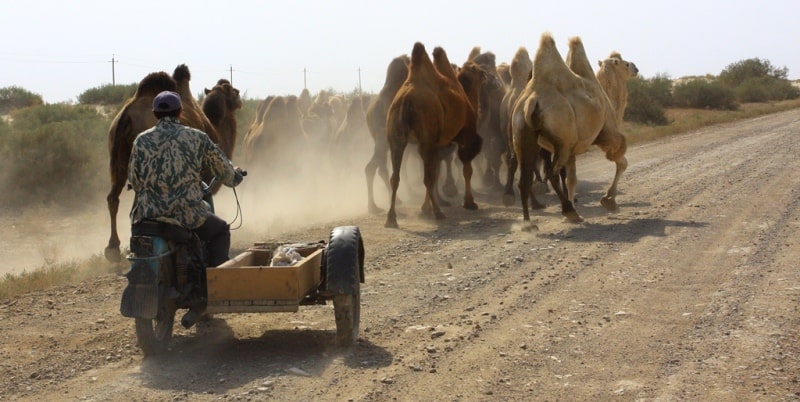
689, 293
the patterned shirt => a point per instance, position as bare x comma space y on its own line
165, 171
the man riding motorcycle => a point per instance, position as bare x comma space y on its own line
165, 172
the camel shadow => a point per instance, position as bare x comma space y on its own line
625, 231
213, 360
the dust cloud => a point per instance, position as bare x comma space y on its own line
306, 188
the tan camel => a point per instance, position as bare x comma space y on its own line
520, 70
495, 143
433, 109
396, 74
136, 116
564, 109
613, 73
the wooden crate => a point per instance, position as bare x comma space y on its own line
247, 283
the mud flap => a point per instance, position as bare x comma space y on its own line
140, 298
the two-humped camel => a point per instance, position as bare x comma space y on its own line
396, 74
434, 108
613, 74
495, 144
136, 116
220, 105
565, 110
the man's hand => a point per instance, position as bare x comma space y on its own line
238, 175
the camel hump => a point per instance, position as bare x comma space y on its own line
548, 63
182, 73
475, 52
577, 60
419, 54
154, 83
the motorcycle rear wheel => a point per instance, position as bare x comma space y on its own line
154, 335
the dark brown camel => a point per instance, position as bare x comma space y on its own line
433, 109
220, 105
136, 116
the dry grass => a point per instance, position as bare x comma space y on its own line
682, 120
53, 274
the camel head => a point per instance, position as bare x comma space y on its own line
233, 100
616, 64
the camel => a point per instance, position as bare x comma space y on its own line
564, 110
504, 72
613, 73
136, 116
495, 144
396, 74
520, 70
353, 129
434, 108
220, 105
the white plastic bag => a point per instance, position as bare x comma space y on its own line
285, 256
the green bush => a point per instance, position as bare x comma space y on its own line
647, 99
54, 155
107, 94
700, 93
756, 80
14, 97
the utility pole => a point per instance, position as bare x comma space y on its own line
304, 78
231, 74
113, 74
359, 80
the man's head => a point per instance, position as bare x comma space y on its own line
167, 103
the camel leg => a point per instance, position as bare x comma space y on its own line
430, 160
469, 201
112, 252
397, 158
526, 173
609, 202
553, 175
449, 187
511, 164
369, 171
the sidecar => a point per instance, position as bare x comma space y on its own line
320, 272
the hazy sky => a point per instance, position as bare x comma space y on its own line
59, 49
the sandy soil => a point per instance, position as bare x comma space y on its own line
689, 293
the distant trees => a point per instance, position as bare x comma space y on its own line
750, 80
16, 98
107, 95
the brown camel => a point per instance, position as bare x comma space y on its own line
220, 105
433, 109
564, 109
136, 116
396, 74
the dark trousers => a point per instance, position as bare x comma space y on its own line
216, 233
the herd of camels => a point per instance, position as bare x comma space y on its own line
536, 114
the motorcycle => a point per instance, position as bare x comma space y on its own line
167, 273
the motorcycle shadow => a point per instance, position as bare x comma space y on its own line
212, 359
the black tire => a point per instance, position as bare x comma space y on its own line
347, 309
344, 274
154, 335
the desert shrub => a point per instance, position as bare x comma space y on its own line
14, 97
53, 154
107, 94
700, 93
647, 99
756, 80
737, 73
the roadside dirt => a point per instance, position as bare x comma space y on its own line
688, 293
